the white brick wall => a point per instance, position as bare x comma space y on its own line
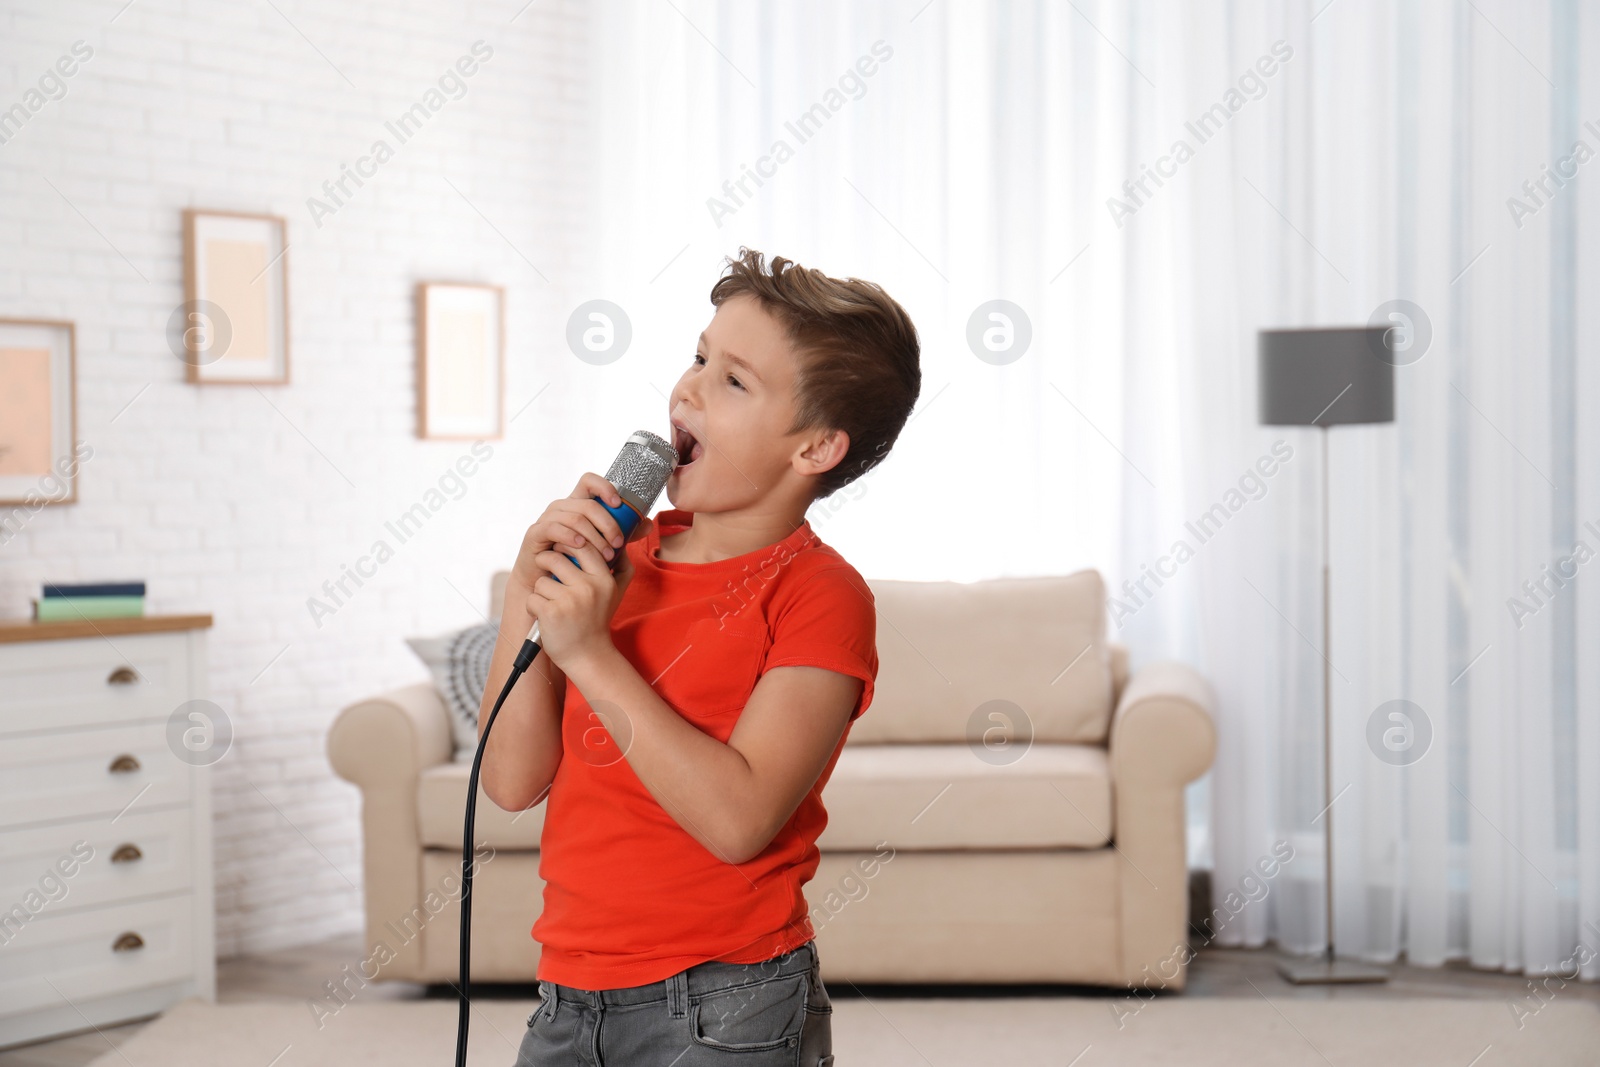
217, 496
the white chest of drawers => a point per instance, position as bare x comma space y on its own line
106, 892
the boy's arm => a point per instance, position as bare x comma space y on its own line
733, 798
524, 749
520, 762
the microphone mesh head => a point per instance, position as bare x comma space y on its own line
641, 469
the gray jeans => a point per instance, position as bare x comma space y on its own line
766, 1014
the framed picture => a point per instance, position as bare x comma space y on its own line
233, 327
461, 361
38, 412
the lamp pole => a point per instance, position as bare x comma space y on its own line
1329, 969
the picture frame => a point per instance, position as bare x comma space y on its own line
38, 411
233, 327
461, 361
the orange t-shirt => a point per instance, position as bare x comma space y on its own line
630, 897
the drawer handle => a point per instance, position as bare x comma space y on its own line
126, 854
124, 764
128, 942
123, 676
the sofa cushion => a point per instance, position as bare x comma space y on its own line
958, 659
442, 805
459, 662
912, 796
922, 797
1037, 643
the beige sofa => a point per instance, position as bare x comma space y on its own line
1009, 809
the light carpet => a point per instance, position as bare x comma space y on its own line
885, 1032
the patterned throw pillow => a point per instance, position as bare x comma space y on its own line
459, 663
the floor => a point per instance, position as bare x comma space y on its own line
297, 975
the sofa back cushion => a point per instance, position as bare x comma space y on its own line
946, 649
956, 660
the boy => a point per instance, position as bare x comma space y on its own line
713, 679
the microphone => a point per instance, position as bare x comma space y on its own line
639, 472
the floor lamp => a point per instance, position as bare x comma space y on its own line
1326, 377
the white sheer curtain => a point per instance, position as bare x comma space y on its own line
979, 160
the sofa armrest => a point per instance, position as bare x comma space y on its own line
1119, 669
390, 739
383, 744
1162, 738
1162, 729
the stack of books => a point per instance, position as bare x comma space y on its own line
69, 601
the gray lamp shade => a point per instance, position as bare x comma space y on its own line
1325, 377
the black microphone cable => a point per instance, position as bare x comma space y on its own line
638, 474
524, 659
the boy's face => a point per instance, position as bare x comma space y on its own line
736, 398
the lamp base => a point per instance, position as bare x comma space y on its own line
1323, 970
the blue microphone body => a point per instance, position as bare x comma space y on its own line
638, 474
626, 518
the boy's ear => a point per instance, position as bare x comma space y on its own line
825, 453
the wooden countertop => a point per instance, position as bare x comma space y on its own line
16, 630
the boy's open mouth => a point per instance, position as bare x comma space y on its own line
687, 446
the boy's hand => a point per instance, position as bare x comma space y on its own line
574, 613
567, 525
